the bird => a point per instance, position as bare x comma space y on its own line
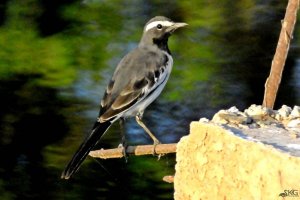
137, 81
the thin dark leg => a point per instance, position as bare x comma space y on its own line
122, 127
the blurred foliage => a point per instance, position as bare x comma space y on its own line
229, 45
4, 194
95, 36
46, 46
58, 57
24, 52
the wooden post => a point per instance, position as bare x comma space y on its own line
278, 62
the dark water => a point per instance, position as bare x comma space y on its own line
56, 59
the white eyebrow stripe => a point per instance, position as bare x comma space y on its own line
154, 24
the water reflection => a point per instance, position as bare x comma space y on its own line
51, 82
32, 117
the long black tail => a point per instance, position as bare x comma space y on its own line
84, 149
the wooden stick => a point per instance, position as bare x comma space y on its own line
286, 34
168, 179
134, 150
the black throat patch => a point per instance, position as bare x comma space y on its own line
162, 43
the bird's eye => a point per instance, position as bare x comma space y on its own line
159, 26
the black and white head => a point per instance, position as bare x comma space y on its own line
158, 30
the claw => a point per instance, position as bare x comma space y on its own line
155, 143
124, 147
124, 143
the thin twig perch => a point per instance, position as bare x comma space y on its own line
134, 150
286, 34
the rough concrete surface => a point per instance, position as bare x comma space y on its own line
226, 161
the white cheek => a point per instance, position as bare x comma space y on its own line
154, 24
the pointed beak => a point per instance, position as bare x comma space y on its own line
175, 26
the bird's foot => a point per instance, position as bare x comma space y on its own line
124, 146
155, 143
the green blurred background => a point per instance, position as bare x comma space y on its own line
56, 58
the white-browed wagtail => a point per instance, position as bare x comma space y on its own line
137, 81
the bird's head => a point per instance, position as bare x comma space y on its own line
158, 29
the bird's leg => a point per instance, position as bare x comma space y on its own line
141, 123
123, 139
